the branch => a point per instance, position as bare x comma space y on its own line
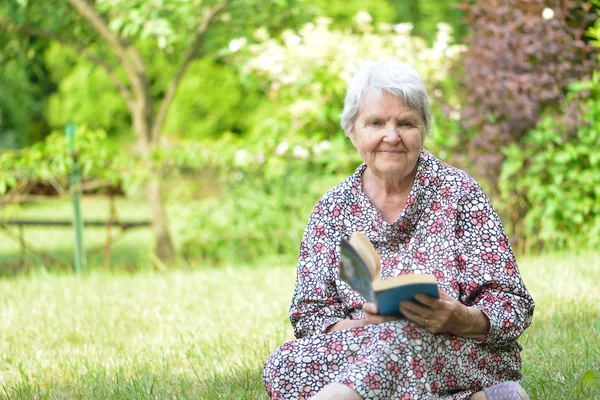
114, 41
208, 15
141, 108
31, 31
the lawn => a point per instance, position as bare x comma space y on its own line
203, 333
52, 247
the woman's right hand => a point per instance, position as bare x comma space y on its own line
371, 315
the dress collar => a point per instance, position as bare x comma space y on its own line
419, 192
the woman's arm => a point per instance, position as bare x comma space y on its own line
316, 304
491, 280
494, 306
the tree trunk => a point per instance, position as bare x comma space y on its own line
164, 249
164, 246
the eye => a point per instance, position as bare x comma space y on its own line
405, 124
376, 123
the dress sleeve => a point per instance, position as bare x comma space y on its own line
491, 280
316, 304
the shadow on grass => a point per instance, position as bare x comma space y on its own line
142, 384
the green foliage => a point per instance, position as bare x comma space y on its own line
162, 31
554, 175
14, 116
446, 130
24, 85
50, 161
306, 74
85, 94
211, 98
255, 218
343, 13
426, 14
268, 192
521, 59
207, 107
593, 30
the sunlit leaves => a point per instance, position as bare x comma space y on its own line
554, 175
150, 18
305, 73
50, 161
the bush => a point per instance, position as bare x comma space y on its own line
554, 175
267, 194
522, 55
306, 74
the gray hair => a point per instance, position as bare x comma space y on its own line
396, 78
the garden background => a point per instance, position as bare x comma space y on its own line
217, 124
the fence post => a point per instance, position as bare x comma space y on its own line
75, 186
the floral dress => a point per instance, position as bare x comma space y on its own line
448, 228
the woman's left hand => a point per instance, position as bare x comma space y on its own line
446, 315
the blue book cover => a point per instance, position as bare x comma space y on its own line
388, 300
357, 269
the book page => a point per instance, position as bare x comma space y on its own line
365, 248
354, 271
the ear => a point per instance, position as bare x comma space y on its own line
352, 137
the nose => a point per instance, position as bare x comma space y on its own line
392, 135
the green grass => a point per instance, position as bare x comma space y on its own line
206, 333
564, 340
202, 334
52, 247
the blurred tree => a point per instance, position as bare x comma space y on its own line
24, 83
521, 58
14, 115
343, 12
123, 36
426, 14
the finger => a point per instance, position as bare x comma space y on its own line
414, 317
385, 319
371, 308
445, 296
416, 308
427, 300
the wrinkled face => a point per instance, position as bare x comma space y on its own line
387, 134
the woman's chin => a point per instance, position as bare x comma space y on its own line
393, 168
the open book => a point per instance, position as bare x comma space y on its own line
360, 268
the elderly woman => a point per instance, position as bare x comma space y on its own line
422, 216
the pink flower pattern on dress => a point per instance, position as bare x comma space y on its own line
448, 228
